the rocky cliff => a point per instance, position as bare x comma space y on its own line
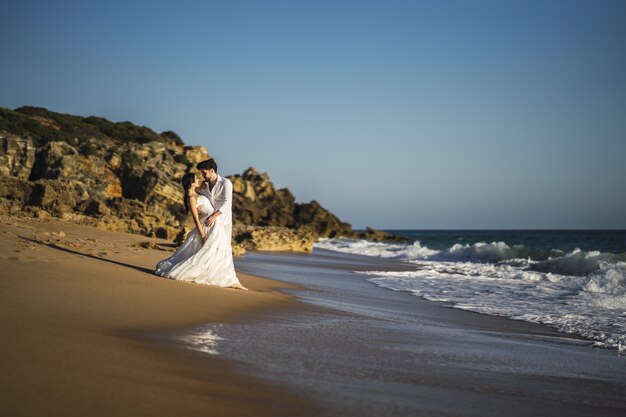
124, 177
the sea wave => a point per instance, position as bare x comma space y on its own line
384, 250
580, 292
576, 262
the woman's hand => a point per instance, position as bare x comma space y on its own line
203, 236
199, 209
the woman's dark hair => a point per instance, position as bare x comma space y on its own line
187, 182
207, 164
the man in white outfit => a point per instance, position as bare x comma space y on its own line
219, 191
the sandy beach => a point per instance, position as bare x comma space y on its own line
89, 330
73, 302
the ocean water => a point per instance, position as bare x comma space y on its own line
574, 281
360, 350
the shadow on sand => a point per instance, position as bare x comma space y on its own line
88, 255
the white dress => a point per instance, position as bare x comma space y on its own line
208, 263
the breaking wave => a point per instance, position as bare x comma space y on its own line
579, 292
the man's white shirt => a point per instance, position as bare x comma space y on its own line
221, 198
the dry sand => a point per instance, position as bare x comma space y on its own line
73, 300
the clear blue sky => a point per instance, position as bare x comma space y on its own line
395, 114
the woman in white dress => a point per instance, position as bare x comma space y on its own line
205, 257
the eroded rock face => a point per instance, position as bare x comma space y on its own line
319, 220
258, 202
273, 238
195, 154
123, 177
375, 236
14, 193
17, 156
130, 187
57, 160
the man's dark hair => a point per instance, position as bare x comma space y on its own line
207, 164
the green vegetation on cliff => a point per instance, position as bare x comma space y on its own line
43, 125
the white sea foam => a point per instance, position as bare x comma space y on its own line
380, 249
577, 262
579, 292
484, 252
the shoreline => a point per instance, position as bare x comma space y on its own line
371, 351
92, 333
353, 262
74, 300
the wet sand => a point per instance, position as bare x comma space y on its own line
370, 351
73, 302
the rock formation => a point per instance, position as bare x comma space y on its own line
274, 238
17, 156
124, 177
374, 235
257, 202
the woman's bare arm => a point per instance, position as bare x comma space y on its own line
193, 200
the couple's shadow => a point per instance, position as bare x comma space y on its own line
88, 255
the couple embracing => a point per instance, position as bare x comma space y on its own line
205, 257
